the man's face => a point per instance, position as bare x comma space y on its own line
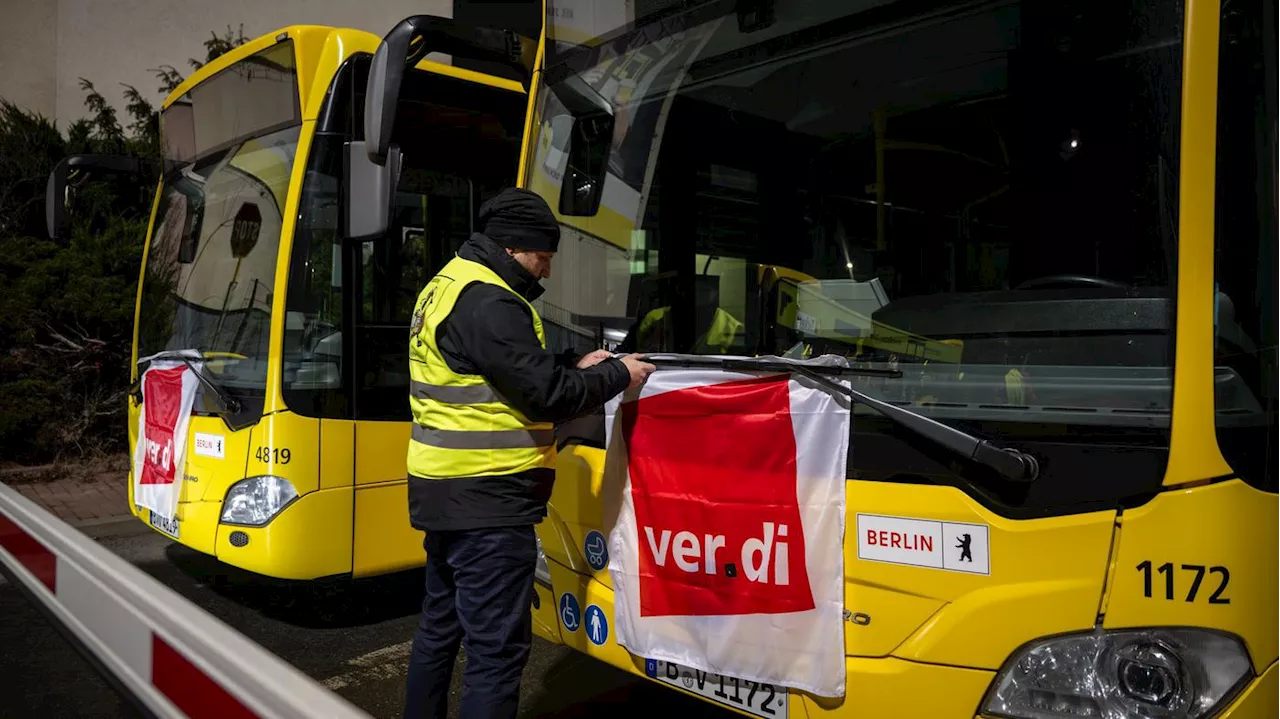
536, 263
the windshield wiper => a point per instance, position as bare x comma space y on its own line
1012, 464
230, 405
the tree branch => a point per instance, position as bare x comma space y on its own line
63, 339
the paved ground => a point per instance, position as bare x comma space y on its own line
352, 638
82, 501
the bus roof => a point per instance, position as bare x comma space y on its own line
314, 37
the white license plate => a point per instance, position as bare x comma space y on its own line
164, 524
762, 700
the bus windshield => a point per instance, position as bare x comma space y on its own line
981, 195
211, 264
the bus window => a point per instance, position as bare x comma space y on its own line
225, 211
958, 184
350, 303
314, 378
432, 212
1245, 267
210, 275
461, 145
984, 197
588, 281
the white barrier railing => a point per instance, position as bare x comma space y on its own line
171, 657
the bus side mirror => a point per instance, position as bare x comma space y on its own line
371, 179
368, 190
590, 140
56, 197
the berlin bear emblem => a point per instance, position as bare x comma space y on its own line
419, 315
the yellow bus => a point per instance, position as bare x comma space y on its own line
1077, 199
262, 261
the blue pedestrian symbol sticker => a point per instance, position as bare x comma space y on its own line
597, 625
569, 612
596, 550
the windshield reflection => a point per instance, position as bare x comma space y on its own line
211, 266
986, 195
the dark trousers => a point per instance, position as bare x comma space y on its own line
479, 588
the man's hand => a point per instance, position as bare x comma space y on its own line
594, 358
639, 369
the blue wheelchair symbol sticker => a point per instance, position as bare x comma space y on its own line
596, 549
569, 613
597, 625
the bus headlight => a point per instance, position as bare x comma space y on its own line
257, 500
1146, 674
541, 571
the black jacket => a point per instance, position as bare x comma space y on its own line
490, 333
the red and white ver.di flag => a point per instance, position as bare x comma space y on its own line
168, 393
727, 553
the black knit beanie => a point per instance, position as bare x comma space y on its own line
521, 220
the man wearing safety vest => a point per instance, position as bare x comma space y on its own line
485, 395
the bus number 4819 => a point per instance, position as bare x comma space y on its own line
269, 455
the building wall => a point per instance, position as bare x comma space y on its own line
46, 46
28, 54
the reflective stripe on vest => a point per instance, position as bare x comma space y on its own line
497, 439
455, 394
463, 427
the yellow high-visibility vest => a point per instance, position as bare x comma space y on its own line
462, 427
